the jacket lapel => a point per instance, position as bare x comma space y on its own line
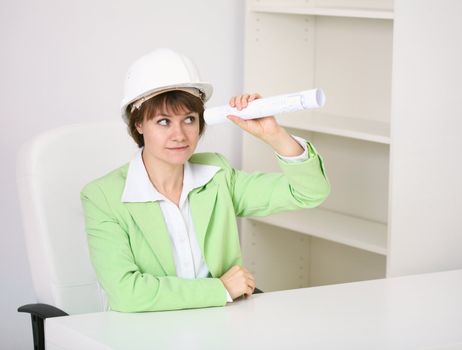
202, 201
149, 218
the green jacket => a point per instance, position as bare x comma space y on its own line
130, 247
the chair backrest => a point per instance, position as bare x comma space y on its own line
51, 171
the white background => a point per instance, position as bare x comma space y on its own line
64, 62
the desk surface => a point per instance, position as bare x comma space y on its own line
412, 312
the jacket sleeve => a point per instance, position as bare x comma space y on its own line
300, 185
129, 289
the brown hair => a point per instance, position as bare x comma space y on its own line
176, 101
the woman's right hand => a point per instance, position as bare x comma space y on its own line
238, 281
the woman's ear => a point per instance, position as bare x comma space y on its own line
138, 128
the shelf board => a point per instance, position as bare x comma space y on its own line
345, 229
361, 129
324, 11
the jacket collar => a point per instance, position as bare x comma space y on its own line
138, 187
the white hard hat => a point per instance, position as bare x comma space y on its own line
159, 71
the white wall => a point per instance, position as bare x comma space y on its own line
64, 62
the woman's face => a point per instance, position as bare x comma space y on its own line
171, 138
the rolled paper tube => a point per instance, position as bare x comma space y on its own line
263, 107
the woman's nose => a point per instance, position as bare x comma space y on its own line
178, 133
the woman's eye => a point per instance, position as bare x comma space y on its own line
163, 122
190, 120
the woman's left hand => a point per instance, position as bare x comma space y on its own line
264, 128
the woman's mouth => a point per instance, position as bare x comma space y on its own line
177, 148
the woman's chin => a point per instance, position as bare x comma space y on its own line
178, 159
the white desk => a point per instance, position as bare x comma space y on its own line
413, 312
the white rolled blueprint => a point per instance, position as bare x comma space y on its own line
263, 107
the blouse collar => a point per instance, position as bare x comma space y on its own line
138, 187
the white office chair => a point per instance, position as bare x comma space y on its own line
51, 171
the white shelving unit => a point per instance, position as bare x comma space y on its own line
393, 163
344, 48
337, 227
361, 129
320, 11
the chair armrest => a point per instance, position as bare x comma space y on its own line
42, 310
39, 312
257, 291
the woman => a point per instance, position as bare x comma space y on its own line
162, 229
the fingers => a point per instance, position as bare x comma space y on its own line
249, 275
251, 286
250, 280
250, 289
242, 101
254, 96
238, 121
239, 281
239, 102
